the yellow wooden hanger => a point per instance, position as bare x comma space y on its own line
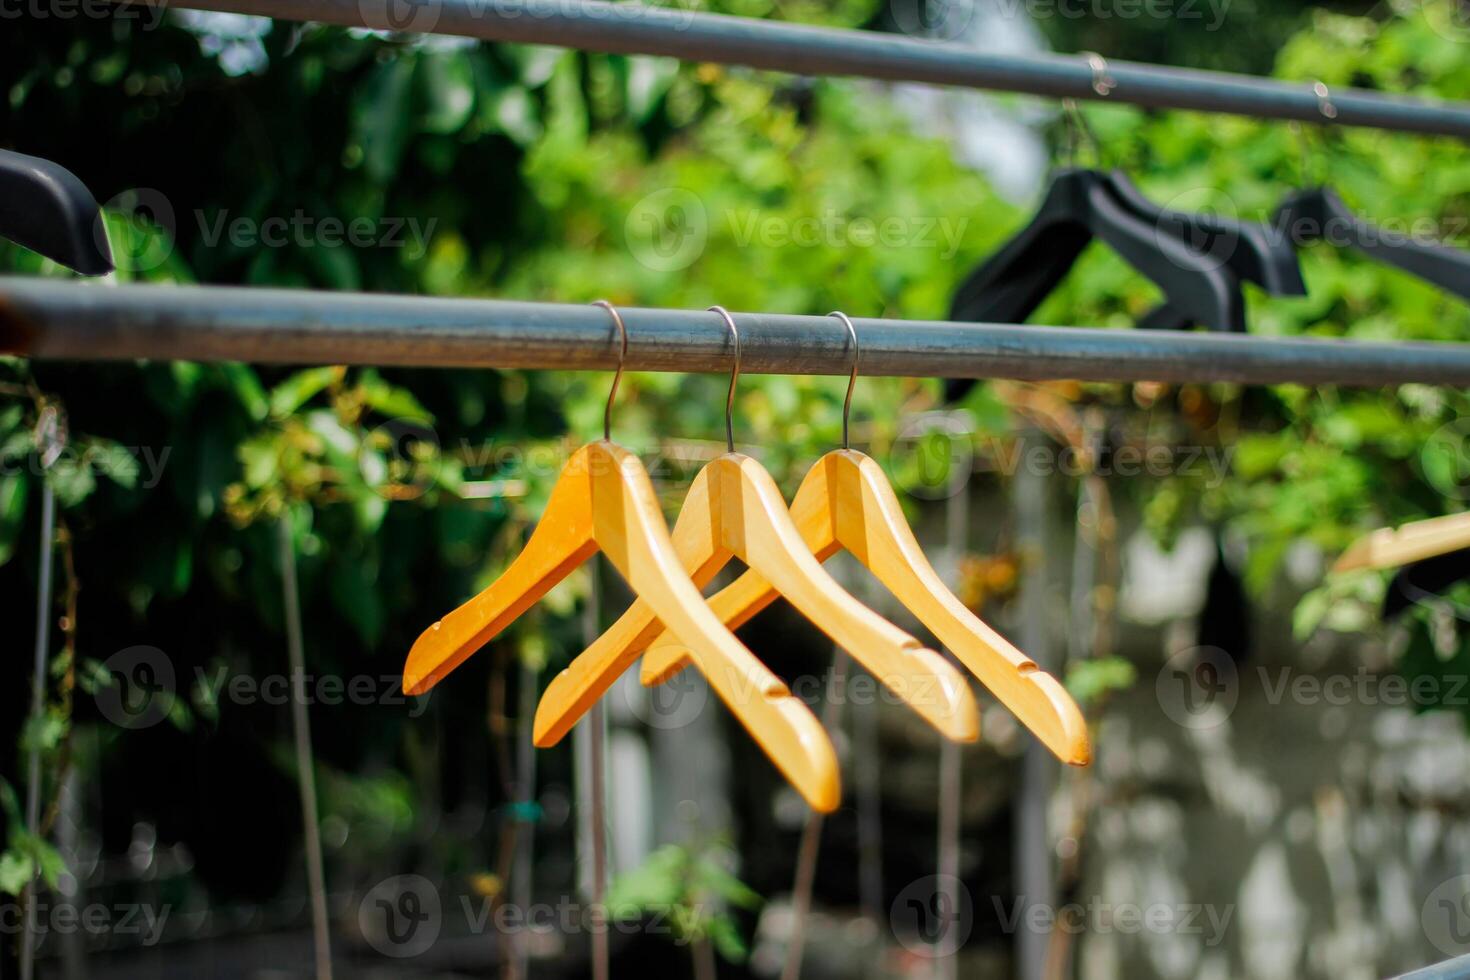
735, 509
604, 500
1390, 547
846, 502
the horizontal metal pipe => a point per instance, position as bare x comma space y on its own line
65, 319
637, 28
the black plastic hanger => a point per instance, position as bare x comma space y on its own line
1425, 580
1252, 249
1079, 207
44, 207
1319, 214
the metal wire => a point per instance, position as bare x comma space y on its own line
675, 32
38, 705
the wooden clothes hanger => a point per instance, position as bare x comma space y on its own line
604, 500
734, 509
1390, 547
846, 502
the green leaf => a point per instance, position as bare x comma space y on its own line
725, 935
44, 732
1090, 680
71, 477
245, 384
16, 872
446, 91
300, 388
13, 492
383, 117
113, 461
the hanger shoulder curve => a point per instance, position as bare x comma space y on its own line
847, 501
561, 540
631, 531
592, 672
871, 525
742, 600
734, 508
757, 525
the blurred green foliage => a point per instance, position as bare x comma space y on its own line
691, 893
542, 174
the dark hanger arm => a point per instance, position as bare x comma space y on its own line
1196, 287
1251, 249
1318, 214
1009, 286
1426, 580
44, 207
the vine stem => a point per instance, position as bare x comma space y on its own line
38, 703
305, 770
596, 788
951, 763
811, 834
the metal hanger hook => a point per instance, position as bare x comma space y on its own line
1077, 129
622, 356
851, 378
734, 377
1328, 112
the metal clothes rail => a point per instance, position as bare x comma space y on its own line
64, 319
636, 28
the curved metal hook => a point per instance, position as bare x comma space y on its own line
851, 378
734, 377
622, 356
